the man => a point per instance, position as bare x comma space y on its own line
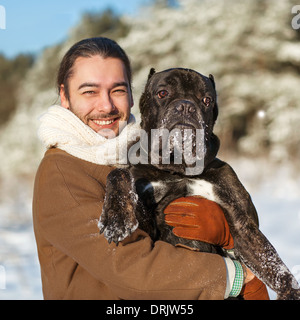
94, 82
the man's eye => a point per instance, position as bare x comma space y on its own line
89, 92
119, 91
162, 94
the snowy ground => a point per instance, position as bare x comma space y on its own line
276, 197
19, 272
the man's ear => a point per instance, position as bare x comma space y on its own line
64, 101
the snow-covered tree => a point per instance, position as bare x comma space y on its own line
248, 45
254, 54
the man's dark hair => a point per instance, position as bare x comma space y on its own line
87, 48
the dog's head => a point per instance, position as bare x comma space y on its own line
182, 102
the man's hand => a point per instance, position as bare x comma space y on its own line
200, 219
253, 288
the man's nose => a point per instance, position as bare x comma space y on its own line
105, 103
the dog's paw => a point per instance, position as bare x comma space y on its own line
118, 217
115, 228
293, 294
118, 220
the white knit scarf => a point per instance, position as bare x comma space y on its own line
61, 128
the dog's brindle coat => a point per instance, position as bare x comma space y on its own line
137, 196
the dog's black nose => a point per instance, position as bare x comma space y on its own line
185, 107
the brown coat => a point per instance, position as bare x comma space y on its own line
78, 263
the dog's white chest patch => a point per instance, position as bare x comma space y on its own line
201, 188
193, 187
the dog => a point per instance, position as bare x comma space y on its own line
183, 99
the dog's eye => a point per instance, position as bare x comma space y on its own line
162, 94
207, 101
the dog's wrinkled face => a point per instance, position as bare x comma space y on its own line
181, 101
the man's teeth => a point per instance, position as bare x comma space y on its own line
103, 122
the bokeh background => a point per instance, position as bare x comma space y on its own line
251, 48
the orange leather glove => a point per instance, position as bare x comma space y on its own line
255, 290
200, 219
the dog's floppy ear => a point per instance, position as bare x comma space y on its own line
212, 79
216, 109
151, 73
144, 94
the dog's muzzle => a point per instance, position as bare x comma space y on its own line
183, 114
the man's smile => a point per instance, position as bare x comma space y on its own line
104, 122
109, 127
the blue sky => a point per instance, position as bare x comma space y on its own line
32, 25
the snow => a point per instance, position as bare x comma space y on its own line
20, 271
20, 264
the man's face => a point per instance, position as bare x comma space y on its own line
99, 94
